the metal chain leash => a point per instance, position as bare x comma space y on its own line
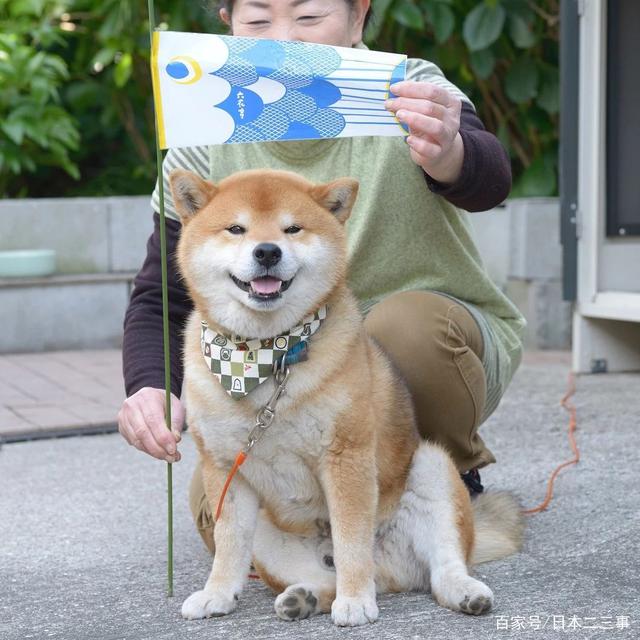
264, 419
267, 413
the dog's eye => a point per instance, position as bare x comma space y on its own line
292, 229
236, 229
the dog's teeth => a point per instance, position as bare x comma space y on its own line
266, 286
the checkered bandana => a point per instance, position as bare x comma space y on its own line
242, 364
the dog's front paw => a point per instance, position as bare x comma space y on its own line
353, 612
205, 604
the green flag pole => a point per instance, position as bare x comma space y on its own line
165, 327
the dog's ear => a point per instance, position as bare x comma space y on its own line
190, 193
338, 197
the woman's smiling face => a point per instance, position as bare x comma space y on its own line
335, 22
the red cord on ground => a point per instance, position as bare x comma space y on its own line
570, 407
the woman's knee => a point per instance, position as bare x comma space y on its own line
437, 347
433, 324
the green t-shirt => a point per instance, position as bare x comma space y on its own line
401, 236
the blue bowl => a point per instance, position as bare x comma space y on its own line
29, 263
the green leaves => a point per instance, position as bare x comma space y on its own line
81, 67
18, 8
14, 129
549, 94
482, 62
441, 17
521, 82
483, 25
539, 179
103, 57
408, 14
34, 129
122, 72
380, 9
520, 32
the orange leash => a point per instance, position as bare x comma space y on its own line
240, 458
573, 423
264, 419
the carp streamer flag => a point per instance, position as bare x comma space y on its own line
211, 89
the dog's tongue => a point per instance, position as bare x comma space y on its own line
266, 285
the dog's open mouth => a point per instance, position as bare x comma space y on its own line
263, 288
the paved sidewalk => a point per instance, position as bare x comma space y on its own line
83, 530
57, 393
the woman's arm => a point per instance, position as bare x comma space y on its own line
462, 161
142, 353
141, 419
485, 178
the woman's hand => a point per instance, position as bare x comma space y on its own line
141, 421
433, 117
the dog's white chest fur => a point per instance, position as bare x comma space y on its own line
282, 466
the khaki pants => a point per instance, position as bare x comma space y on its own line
436, 345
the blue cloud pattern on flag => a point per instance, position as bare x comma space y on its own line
279, 90
296, 68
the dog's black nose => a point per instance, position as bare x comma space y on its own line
267, 254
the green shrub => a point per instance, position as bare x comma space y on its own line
35, 130
102, 49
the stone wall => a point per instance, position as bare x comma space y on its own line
101, 242
520, 244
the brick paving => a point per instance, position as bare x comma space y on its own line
59, 392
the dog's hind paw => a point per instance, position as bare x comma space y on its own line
296, 602
353, 612
476, 605
207, 604
463, 593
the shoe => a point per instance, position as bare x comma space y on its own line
472, 479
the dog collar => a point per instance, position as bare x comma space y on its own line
241, 364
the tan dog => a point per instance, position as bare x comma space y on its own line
340, 499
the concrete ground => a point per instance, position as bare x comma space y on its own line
82, 531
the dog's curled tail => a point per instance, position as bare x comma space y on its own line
499, 526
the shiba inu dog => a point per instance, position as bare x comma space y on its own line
340, 499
